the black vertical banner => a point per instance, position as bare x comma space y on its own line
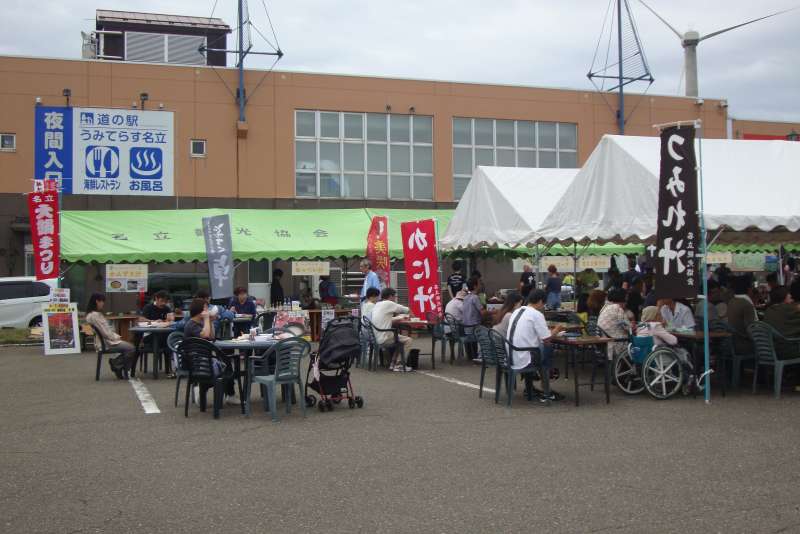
678, 237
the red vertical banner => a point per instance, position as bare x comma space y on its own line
422, 267
43, 212
378, 248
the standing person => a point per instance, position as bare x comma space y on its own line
276, 289
553, 288
503, 315
631, 275
327, 291
94, 316
527, 280
371, 278
455, 282
528, 328
472, 316
383, 317
586, 281
242, 304
723, 273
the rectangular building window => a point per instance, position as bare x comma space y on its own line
197, 148
510, 143
8, 142
363, 155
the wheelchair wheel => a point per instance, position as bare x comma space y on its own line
627, 375
662, 373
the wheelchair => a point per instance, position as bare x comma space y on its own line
660, 370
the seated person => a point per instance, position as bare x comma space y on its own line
199, 322
199, 325
369, 302
741, 312
127, 353
383, 316
675, 314
456, 306
785, 318
242, 304
158, 310
503, 315
652, 325
614, 322
528, 329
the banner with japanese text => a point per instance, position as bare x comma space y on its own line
219, 249
97, 151
378, 248
422, 267
678, 235
43, 213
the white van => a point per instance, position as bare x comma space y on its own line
21, 300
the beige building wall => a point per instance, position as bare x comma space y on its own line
262, 165
742, 128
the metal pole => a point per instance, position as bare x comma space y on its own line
241, 63
621, 110
706, 344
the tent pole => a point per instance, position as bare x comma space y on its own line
706, 344
538, 266
574, 264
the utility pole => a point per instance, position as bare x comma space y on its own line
621, 110
240, 91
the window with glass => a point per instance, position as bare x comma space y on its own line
510, 143
363, 155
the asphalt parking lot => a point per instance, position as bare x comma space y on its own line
423, 455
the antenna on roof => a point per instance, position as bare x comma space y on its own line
631, 65
245, 48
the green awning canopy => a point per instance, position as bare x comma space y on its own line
175, 235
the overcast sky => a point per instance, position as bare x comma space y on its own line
530, 42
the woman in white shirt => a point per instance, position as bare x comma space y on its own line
652, 325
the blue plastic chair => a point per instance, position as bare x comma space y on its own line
287, 355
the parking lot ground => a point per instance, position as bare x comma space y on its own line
425, 454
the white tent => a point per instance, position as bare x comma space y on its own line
750, 187
503, 206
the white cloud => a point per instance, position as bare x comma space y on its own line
533, 42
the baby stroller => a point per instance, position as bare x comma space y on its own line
329, 368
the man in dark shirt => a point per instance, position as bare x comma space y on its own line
723, 274
526, 281
455, 282
199, 323
276, 289
631, 275
242, 304
158, 310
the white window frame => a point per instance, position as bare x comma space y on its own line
474, 147
13, 147
192, 153
365, 143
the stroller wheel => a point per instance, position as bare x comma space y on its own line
351, 403
359, 402
311, 400
328, 405
321, 406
